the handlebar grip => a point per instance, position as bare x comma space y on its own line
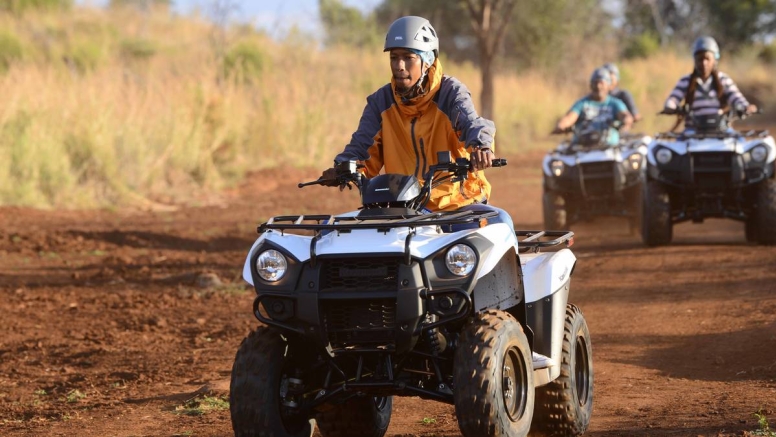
499, 162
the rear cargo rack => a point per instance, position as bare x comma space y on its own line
380, 223
532, 241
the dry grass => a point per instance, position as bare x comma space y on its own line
115, 109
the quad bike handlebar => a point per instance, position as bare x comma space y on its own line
348, 172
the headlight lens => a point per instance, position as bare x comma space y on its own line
634, 161
759, 153
460, 260
663, 155
556, 167
271, 265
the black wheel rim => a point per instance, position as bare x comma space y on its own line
514, 383
582, 369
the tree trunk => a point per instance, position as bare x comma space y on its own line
487, 96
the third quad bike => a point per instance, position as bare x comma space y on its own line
585, 177
389, 301
709, 171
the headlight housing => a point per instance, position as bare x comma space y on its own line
759, 153
663, 155
460, 259
634, 161
271, 265
556, 167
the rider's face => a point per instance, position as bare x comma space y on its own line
405, 67
704, 63
599, 89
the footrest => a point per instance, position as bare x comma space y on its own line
540, 361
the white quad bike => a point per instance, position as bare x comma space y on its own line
388, 301
712, 171
585, 178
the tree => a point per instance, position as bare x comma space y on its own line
346, 25
737, 22
489, 19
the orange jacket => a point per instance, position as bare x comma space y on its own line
404, 137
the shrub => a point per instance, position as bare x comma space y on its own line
11, 50
20, 6
137, 49
245, 62
641, 46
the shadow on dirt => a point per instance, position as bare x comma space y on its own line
727, 356
154, 240
649, 430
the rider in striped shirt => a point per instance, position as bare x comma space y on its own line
707, 91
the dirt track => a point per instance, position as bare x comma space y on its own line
110, 327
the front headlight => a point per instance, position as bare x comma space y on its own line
663, 155
271, 265
460, 259
759, 153
556, 167
634, 161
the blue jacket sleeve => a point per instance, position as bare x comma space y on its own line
368, 127
455, 101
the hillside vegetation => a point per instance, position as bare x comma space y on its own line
118, 107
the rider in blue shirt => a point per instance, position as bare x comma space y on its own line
598, 110
620, 93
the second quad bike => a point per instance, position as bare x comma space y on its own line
710, 171
585, 178
390, 301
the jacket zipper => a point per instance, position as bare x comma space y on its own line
423, 153
415, 147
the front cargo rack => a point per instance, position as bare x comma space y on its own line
532, 241
380, 222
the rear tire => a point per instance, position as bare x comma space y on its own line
765, 214
564, 406
363, 416
493, 377
656, 226
555, 211
254, 393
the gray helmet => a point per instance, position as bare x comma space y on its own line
706, 44
412, 33
613, 70
601, 74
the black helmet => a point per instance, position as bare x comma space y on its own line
706, 44
412, 33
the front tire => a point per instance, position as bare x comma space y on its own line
656, 226
493, 377
765, 214
254, 393
364, 416
634, 201
555, 211
564, 406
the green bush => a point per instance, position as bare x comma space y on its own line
245, 61
11, 50
85, 56
137, 49
641, 46
20, 6
767, 54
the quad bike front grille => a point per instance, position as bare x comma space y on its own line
360, 274
598, 178
359, 321
712, 171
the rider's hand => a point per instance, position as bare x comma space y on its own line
481, 158
329, 178
751, 109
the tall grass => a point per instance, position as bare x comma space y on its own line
120, 108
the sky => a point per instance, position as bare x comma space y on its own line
274, 16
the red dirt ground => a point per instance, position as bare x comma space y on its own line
113, 325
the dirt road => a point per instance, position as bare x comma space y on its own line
126, 323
